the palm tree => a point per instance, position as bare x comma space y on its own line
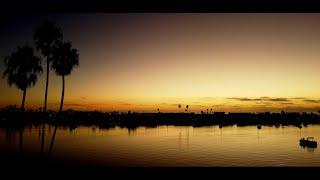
22, 69
64, 59
45, 37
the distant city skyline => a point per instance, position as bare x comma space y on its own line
142, 62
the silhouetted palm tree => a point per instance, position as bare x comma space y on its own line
187, 107
64, 59
45, 36
22, 69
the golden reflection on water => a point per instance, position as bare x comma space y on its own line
172, 145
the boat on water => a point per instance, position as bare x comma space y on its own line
309, 142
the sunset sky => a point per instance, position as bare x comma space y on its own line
141, 62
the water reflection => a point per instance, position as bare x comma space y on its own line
42, 140
52, 140
20, 138
309, 149
10, 136
131, 130
168, 145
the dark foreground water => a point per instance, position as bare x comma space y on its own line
167, 145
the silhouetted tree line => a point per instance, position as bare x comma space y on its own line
132, 120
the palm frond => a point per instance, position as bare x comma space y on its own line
64, 58
22, 67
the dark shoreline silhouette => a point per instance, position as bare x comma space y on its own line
132, 120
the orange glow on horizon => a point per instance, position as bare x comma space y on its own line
141, 63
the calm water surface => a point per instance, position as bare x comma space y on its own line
170, 145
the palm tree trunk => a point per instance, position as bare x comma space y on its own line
62, 96
55, 128
23, 99
47, 83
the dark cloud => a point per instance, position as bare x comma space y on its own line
261, 99
287, 103
298, 98
278, 99
245, 99
311, 101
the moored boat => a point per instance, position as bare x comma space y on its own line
309, 142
